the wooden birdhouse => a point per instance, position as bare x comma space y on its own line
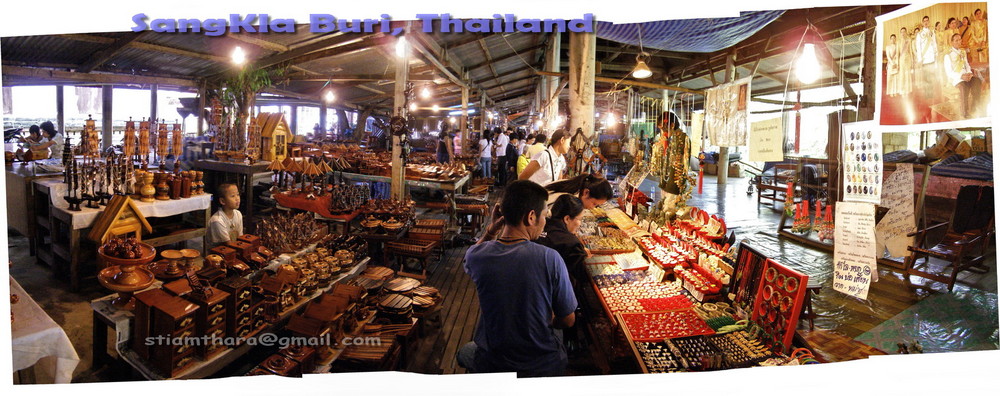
120, 218
275, 136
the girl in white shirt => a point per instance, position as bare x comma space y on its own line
548, 166
486, 154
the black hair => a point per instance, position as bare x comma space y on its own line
951, 19
33, 129
219, 189
566, 205
558, 136
599, 187
925, 17
49, 128
520, 198
892, 35
956, 34
530, 136
487, 135
540, 138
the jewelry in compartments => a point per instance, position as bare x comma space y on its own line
768, 292
791, 284
780, 280
786, 304
770, 274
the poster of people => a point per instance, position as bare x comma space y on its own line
934, 67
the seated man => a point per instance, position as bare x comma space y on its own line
524, 292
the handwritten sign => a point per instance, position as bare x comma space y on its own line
862, 158
766, 141
697, 126
897, 195
854, 263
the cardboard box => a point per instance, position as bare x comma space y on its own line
711, 169
734, 170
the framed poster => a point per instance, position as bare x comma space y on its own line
934, 69
862, 158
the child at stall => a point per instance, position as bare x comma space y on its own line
227, 223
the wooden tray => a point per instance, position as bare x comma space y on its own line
414, 246
698, 325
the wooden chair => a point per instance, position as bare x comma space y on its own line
964, 244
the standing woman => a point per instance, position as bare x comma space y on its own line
978, 38
892, 67
549, 165
906, 52
445, 148
486, 154
52, 140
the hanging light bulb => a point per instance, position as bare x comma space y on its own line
435, 108
425, 93
611, 119
538, 124
239, 57
329, 97
807, 68
641, 70
452, 120
401, 47
413, 106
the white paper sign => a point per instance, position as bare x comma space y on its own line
861, 154
766, 141
897, 195
854, 263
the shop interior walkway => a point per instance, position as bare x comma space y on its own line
894, 311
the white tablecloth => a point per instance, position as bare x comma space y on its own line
38, 341
86, 217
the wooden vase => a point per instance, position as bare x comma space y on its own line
146, 188
162, 188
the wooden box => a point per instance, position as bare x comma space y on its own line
243, 249
251, 239
143, 319
305, 356
210, 320
228, 254
282, 365
173, 317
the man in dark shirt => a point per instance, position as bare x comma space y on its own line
524, 293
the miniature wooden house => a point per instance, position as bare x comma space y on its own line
120, 218
275, 136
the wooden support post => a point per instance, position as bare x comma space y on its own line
106, 94
723, 164
202, 91
464, 122
866, 111
399, 110
294, 122
60, 109
152, 101
582, 64
322, 121
551, 83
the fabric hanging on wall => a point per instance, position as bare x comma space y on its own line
88, 100
689, 35
726, 110
8, 102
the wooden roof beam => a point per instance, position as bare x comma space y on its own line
147, 46
106, 54
95, 78
508, 56
263, 44
437, 56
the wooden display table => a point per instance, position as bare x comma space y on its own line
68, 229
121, 322
217, 172
21, 200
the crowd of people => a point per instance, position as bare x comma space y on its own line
923, 59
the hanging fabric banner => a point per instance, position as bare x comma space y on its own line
726, 121
897, 195
854, 265
697, 127
862, 159
766, 141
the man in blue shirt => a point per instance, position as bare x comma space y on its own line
524, 292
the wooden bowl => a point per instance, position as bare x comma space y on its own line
148, 254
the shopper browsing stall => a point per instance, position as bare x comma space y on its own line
591, 190
560, 234
51, 140
503, 138
486, 154
227, 223
549, 165
524, 293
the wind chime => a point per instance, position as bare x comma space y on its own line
178, 145
162, 145
128, 148
142, 151
90, 145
